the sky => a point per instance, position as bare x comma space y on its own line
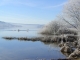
30, 11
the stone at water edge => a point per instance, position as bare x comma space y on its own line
75, 54
79, 41
75, 43
61, 44
66, 48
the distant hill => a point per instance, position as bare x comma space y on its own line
29, 25
4, 25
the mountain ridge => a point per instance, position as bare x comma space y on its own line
11, 25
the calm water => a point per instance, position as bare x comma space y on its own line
23, 50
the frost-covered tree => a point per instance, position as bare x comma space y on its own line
54, 26
70, 14
50, 28
71, 11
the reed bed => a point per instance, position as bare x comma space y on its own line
65, 38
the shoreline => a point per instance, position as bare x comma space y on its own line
70, 39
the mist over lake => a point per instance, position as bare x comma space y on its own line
23, 50
39, 29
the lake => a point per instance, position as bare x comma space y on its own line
27, 50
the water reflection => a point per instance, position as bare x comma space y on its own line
50, 44
22, 49
66, 54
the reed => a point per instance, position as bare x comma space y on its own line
65, 38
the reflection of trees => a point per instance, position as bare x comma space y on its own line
51, 44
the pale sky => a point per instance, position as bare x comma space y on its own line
30, 11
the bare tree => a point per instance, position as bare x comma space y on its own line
64, 20
70, 15
51, 28
71, 11
55, 26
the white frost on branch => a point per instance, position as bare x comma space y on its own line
71, 10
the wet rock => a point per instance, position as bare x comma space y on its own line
72, 56
75, 43
75, 54
66, 48
78, 46
61, 44
66, 54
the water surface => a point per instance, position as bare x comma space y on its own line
23, 50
